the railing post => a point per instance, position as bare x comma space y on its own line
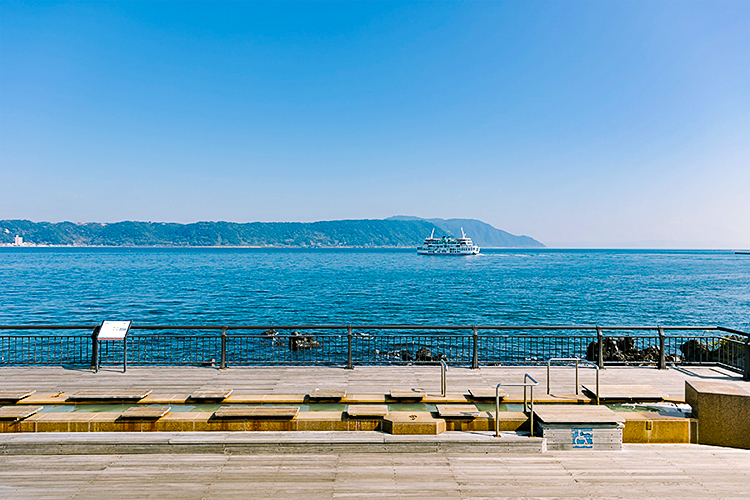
223, 361
746, 374
349, 363
95, 349
662, 351
443, 378
531, 413
475, 349
600, 342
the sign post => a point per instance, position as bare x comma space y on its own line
114, 331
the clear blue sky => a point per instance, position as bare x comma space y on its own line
577, 123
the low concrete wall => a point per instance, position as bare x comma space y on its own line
723, 411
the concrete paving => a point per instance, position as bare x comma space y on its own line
637, 472
360, 380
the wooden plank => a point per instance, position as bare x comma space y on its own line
256, 399
145, 412
161, 399
576, 414
622, 392
14, 395
45, 398
327, 394
407, 393
364, 398
487, 393
281, 412
367, 410
112, 395
210, 394
17, 412
457, 411
433, 399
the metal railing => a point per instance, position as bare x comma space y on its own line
576, 360
530, 409
443, 378
350, 345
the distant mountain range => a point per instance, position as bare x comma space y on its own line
480, 232
399, 231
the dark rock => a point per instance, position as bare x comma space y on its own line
302, 342
623, 349
400, 355
696, 351
650, 353
425, 354
272, 335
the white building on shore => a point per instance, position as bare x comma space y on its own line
18, 241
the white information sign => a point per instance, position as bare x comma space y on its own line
114, 330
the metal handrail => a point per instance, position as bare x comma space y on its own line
525, 384
577, 360
443, 378
385, 327
491, 333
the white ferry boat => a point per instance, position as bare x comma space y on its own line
448, 246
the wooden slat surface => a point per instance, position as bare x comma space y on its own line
280, 380
18, 412
627, 392
109, 395
327, 394
407, 393
685, 472
576, 414
145, 412
11, 395
210, 394
486, 393
367, 410
457, 411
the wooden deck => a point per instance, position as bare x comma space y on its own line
638, 472
361, 380
627, 392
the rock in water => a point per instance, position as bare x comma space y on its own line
696, 351
623, 349
301, 342
425, 354
270, 334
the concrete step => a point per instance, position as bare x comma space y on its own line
119, 443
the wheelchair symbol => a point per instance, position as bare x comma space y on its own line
583, 438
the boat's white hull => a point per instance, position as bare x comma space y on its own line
448, 246
460, 253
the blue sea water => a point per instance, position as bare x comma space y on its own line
343, 286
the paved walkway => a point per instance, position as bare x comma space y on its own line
361, 380
638, 472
